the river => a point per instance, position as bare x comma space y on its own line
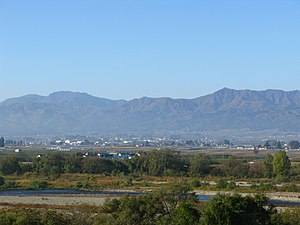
81, 193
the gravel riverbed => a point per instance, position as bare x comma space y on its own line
98, 199
55, 200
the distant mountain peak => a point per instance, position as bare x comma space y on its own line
226, 89
67, 93
77, 112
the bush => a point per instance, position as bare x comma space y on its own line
83, 184
287, 217
195, 183
264, 186
128, 182
216, 171
38, 185
235, 209
289, 188
221, 184
1, 181
38, 216
231, 185
11, 185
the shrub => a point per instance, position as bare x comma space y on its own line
38, 184
221, 184
195, 183
11, 185
128, 182
231, 185
83, 184
236, 209
1, 181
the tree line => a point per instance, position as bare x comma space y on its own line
154, 163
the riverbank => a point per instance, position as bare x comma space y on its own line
281, 196
53, 200
97, 199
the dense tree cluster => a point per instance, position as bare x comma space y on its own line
271, 144
154, 163
172, 205
277, 166
158, 163
2, 142
238, 210
175, 205
294, 144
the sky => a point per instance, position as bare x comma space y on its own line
125, 49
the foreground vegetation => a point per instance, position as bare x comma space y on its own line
173, 205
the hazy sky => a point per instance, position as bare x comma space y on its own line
129, 49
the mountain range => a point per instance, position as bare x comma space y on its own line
72, 112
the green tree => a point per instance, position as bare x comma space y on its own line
287, 217
172, 196
184, 214
268, 165
10, 165
172, 205
163, 162
97, 165
267, 145
294, 144
200, 165
221, 184
2, 181
235, 167
22, 216
226, 142
237, 210
2, 142
52, 164
38, 184
130, 210
256, 169
73, 163
278, 145
281, 165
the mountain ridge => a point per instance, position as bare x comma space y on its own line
66, 112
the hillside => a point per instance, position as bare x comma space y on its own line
73, 112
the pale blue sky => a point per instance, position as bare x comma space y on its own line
133, 48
